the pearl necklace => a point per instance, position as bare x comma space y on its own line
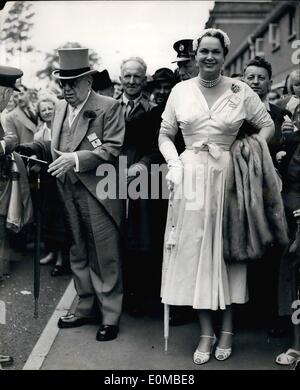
209, 83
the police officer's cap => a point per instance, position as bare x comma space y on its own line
9, 76
184, 49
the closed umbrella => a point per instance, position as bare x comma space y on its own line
37, 240
166, 325
170, 244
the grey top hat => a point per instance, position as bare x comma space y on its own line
73, 63
9, 76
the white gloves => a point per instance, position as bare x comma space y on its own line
174, 176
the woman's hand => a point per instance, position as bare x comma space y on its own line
136, 168
279, 156
296, 213
175, 174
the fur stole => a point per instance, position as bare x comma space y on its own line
254, 214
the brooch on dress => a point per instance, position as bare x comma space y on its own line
235, 88
234, 100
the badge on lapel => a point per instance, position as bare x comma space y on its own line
94, 140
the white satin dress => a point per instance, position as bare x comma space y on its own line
194, 272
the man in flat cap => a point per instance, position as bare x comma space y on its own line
186, 60
88, 132
8, 142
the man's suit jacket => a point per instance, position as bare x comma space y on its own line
11, 142
275, 144
18, 123
137, 143
101, 117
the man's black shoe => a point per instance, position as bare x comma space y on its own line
71, 321
59, 270
107, 332
6, 361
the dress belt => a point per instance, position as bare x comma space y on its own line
207, 146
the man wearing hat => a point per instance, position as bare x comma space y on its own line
102, 84
8, 142
88, 131
186, 61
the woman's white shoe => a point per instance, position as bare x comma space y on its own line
223, 353
203, 357
288, 358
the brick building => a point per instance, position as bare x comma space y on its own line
267, 28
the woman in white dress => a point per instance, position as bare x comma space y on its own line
209, 109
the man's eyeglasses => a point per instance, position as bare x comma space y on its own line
72, 83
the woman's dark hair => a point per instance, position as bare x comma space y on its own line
217, 35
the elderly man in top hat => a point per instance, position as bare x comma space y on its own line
186, 59
88, 131
8, 142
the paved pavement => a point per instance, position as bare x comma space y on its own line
22, 331
140, 346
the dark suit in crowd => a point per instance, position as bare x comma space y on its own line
275, 144
22, 125
267, 268
138, 148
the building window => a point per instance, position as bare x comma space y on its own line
259, 47
242, 63
233, 69
274, 35
292, 23
249, 54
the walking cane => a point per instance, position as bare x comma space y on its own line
37, 248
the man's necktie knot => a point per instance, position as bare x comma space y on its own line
72, 115
129, 108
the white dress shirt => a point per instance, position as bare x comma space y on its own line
72, 114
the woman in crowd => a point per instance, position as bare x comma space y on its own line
209, 109
53, 231
292, 102
45, 108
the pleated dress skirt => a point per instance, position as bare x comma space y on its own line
194, 272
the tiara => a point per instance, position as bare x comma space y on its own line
213, 32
